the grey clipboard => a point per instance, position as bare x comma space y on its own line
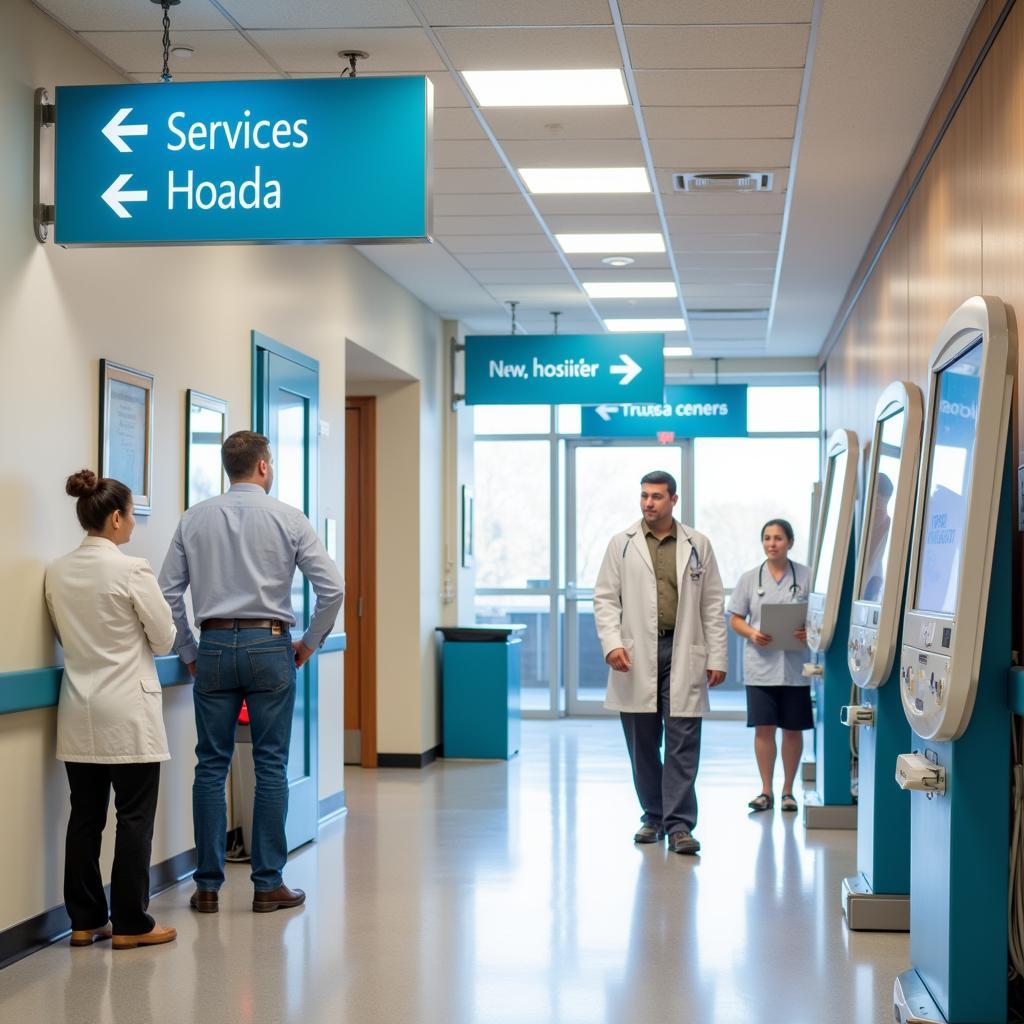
780, 621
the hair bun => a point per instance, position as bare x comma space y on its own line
82, 484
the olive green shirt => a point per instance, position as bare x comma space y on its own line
663, 556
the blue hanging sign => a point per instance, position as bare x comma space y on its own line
564, 369
688, 410
298, 160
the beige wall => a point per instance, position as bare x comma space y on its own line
185, 315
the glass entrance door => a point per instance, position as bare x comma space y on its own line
603, 497
285, 406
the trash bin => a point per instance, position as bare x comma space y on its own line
243, 786
480, 690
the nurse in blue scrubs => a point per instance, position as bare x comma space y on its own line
778, 696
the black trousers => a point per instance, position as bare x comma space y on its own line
666, 791
136, 787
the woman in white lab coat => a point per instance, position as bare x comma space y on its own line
778, 695
110, 618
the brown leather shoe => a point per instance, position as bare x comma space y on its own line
205, 901
157, 937
280, 898
87, 936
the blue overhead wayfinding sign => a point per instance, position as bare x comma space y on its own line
564, 369
688, 410
298, 160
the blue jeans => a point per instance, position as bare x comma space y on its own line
255, 666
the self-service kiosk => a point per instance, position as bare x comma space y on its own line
954, 660
877, 897
828, 616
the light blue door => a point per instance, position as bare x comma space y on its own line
286, 396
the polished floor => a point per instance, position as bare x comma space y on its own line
498, 893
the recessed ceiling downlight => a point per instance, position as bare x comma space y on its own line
618, 261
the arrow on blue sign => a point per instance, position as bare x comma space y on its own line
546, 369
116, 130
685, 410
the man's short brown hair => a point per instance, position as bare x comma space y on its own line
242, 451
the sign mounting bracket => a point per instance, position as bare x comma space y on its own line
44, 117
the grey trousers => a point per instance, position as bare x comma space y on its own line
666, 791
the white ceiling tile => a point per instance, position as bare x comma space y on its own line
719, 46
576, 324
465, 154
554, 296
718, 87
726, 260
483, 49
207, 76
762, 203
575, 153
390, 49
751, 224
720, 122
637, 307
474, 180
727, 277
722, 154
714, 12
728, 296
447, 205
768, 243
625, 274
515, 12
215, 51
446, 91
542, 257
257, 14
520, 275
597, 206
740, 329
457, 123
618, 225
130, 15
513, 123
447, 226
496, 243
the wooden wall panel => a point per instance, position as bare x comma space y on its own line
944, 226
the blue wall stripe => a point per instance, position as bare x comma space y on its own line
39, 687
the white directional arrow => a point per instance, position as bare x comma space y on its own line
115, 130
115, 196
628, 368
605, 411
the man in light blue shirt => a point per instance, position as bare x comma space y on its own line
238, 552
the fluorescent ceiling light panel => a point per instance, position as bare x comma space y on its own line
585, 180
643, 242
648, 323
602, 87
630, 289
676, 351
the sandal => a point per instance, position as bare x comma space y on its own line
788, 802
764, 802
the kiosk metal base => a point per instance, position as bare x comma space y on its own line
868, 911
911, 1002
819, 815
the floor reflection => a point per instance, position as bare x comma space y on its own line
494, 893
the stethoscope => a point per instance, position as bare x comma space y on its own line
794, 587
696, 565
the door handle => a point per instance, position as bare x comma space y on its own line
359, 608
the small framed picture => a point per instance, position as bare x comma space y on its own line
467, 527
126, 430
206, 427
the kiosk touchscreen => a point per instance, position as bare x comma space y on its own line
955, 520
833, 539
889, 510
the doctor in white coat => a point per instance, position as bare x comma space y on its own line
658, 608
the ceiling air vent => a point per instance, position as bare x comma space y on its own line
723, 181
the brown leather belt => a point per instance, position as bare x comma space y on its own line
273, 624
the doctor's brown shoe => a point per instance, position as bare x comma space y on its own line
648, 834
280, 898
206, 901
683, 842
157, 937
